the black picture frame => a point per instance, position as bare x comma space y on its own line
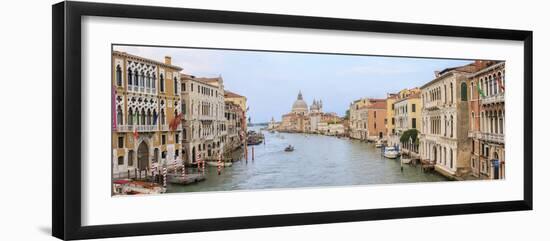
67, 136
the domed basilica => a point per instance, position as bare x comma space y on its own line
304, 119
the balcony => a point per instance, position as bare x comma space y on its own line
139, 128
432, 105
492, 137
493, 99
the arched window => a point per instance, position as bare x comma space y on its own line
452, 126
451, 157
147, 80
472, 122
445, 94
482, 122
162, 117
119, 115
486, 81
452, 93
463, 92
149, 117
130, 117
445, 155
495, 85
495, 119
136, 78
501, 122
118, 75
137, 117
129, 76
153, 81
445, 128
491, 130
161, 83
140, 78
143, 117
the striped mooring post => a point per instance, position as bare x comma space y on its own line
164, 171
219, 164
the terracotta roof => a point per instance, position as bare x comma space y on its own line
469, 68
230, 94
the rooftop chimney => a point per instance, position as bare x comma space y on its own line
168, 60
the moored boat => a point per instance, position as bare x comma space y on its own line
129, 187
390, 152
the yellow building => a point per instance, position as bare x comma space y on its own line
390, 120
405, 113
146, 99
238, 100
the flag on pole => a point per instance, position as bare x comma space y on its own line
175, 122
479, 89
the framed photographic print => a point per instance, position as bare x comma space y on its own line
169, 120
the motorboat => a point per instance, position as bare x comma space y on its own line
391, 152
379, 144
289, 148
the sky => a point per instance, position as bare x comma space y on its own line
271, 80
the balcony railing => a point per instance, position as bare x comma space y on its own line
432, 104
492, 99
492, 137
139, 128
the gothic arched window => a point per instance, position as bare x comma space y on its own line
129, 76
463, 91
118, 75
161, 83
119, 115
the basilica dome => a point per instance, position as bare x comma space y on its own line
299, 106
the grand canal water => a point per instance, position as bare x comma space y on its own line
316, 161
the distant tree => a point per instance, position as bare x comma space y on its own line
346, 117
408, 134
